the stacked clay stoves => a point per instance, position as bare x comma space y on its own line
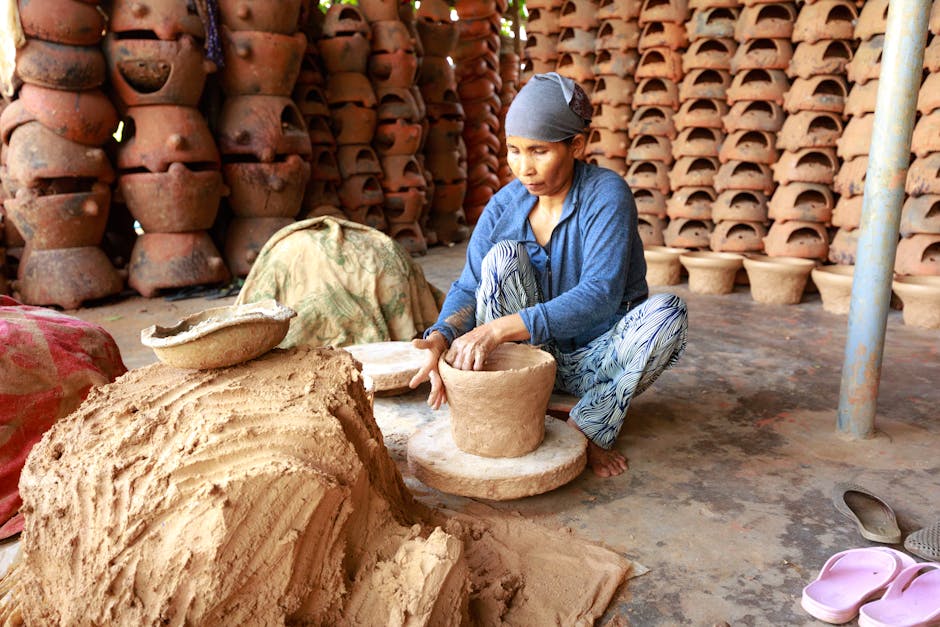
478, 85
261, 132
55, 172
444, 150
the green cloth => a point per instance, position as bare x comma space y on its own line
348, 283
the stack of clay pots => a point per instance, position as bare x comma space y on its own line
824, 47
444, 149
478, 85
615, 61
577, 22
509, 65
919, 248
706, 64
400, 115
655, 102
262, 136
321, 198
55, 172
345, 49
540, 53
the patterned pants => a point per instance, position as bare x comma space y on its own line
615, 366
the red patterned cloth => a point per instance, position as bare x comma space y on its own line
48, 363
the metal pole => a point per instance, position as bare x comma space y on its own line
901, 68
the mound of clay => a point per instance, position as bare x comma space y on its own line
263, 494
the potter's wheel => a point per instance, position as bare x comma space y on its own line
436, 461
390, 364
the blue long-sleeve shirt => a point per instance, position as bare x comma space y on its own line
589, 272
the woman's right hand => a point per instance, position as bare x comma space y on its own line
436, 345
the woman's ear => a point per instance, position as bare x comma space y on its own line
578, 144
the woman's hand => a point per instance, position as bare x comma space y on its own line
470, 350
435, 344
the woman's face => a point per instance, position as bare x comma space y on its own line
545, 168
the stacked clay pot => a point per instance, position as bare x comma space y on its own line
478, 85
169, 176
615, 61
509, 65
444, 149
698, 121
540, 54
262, 136
345, 48
55, 171
321, 198
393, 71
578, 23
755, 99
823, 36
919, 249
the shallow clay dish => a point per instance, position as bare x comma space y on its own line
220, 337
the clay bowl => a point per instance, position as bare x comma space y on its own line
662, 265
777, 280
711, 272
835, 287
921, 298
221, 336
500, 411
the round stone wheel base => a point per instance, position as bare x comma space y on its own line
436, 461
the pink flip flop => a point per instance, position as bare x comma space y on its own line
912, 600
849, 579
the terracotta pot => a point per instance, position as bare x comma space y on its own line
770, 54
809, 165
62, 21
577, 41
450, 228
323, 164
711, 272
709, 54
401, 172
704, 84
448, 197
608, 9
260, 15
825, 20
342, 19
811, 202
60, 220
651, 230
872, 20
694, 203
60, 66
648, 175
616, 63
395, 103
844, 246
174, 201
685, 233
397, 138
850, 179
777, 280
261, 63
500, 411
697, 142
713, 22
797, 238
670, 35
918, 254
311, 100
660, 63
320, 132
85, 117
360, 190
819, 93
578, 14
245, 238
174, 260
409, 236
662, 265
754, 115
848, 212
643, 147
611, 143
701, 113
657, 92
66, 277
828, 56
36, 153
370, 215
393, 69
834, 284
542, 21
758, 84
923, 177
863, 96
149, 71
744, 175
267, 190
856, 139
157, 135
658, 11
613, 90
921, 298
921, 214
443, 136
809, 129
348, 52
350, 87
263, 127
740, 205
353, 124
167, 19
925, 138
437, 39
652, 120
693, 172
320, 194
446, 167
404, 207
772, 21
753, 146
932, 56
391, 36
611, 116
357, 159
379, 10
733, 236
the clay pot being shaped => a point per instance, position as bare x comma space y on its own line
62, 21
711, 272
822, 57
740, 205
267, 190
652, 120
777, 280
921, 214
744, 175
921, 298
809, 129
167, 19
263, 127
260, 15
694, 203
651, 230
261, 63
825, 20
60, 66
174, 201
60, 220
796, 238
709, 54
686, 233
918, 254
150, 71
732, 236
174, 260
662, 265
771, 54
651, 202
818, 93
155, 136
499, 411
66, 277
714, 22
35, 153
834, 284
83, 117
754, 115
701, 83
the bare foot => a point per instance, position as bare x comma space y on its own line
604, 463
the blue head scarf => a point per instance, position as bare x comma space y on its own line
550, 108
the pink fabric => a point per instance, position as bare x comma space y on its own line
48, 363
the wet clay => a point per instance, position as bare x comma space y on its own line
264, 494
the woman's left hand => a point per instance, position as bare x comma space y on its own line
470, 350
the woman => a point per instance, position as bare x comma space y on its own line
556, 260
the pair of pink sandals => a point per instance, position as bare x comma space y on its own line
882, 586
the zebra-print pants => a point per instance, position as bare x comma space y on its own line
615, 366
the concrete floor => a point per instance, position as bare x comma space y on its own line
732, 455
